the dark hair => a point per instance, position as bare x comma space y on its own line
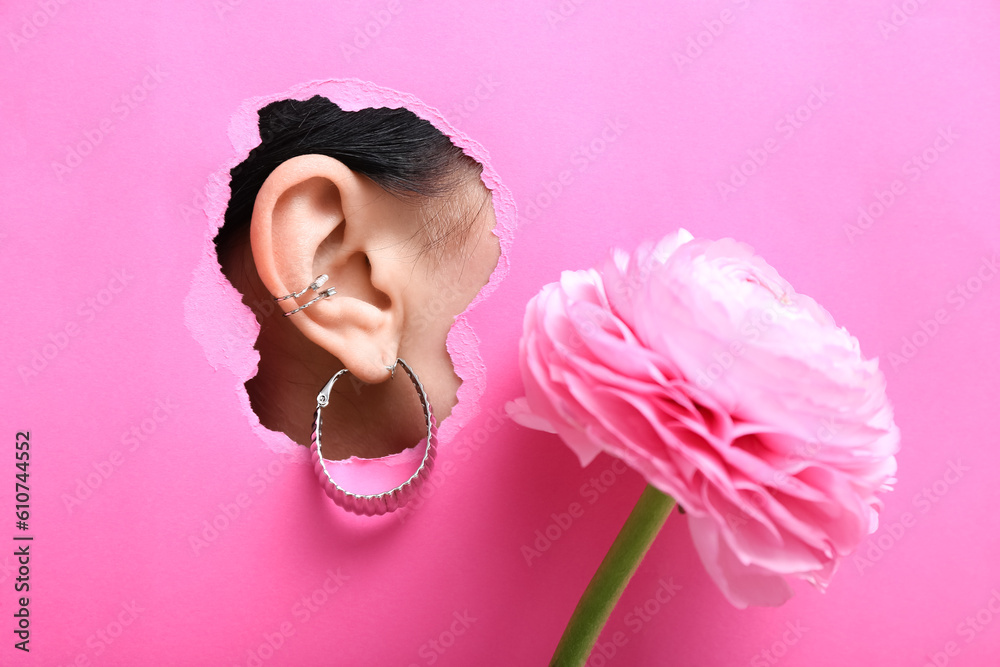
401, 152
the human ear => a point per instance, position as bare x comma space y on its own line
313, 216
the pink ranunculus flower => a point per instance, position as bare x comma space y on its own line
699, 366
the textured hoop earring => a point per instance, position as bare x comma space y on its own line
393, 499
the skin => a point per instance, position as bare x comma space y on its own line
400, 284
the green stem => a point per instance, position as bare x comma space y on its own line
612, 576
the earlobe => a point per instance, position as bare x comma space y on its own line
312, 217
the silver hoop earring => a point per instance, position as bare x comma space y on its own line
393, 499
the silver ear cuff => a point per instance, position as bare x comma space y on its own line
322, 295
314, 286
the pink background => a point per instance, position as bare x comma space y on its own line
604, 134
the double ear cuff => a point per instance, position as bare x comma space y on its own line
314, 286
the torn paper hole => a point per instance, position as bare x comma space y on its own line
227, 329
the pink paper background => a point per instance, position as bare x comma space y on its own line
603, 135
